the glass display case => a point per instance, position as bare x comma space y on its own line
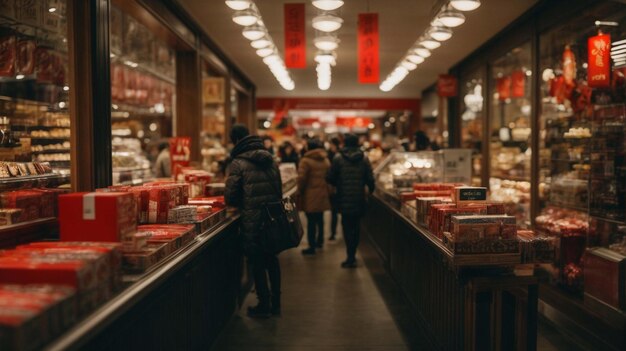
143, 85
400, 170
213, 133
510, 132
472, 121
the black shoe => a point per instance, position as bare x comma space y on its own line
259, 311
348, 264
309, 251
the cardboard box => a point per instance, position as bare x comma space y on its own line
106, 217
141, 261
471, 228
10, 216
28, 201
605, 276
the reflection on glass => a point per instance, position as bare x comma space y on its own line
472, 121
510, 132
213, 133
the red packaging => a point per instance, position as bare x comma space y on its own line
214, 201
23, 325
105, 217
162, 199
142, 197
433, 215
48, 202
8, 55
78, 274
28, 201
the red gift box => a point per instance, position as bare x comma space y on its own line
105, 217
162, 199
28, 201
48, 202
142, 197
78, 274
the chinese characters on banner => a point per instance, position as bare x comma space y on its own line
518, 83
599, 66
179, 153
295, 41
368, 65
446, 85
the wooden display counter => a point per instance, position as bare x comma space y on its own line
462, 303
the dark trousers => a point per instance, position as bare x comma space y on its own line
351, 225
264, 265
315, 228
334, 219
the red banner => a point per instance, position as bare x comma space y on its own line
503, 86
599, 66
353, 122
368, 48
447, 85
518, 84
179, 153
295, 41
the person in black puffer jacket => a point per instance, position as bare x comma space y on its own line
253, 180
350, 173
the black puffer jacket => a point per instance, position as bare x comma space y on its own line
350, 173
253, 179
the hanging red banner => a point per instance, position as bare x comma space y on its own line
447, 85
368, 48
295, 40
518, 84
503, 86
598, 64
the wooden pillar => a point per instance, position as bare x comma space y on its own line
90, 94
188, 120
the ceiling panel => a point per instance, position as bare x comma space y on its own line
400, 22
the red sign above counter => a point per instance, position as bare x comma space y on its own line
368, 48
295, 37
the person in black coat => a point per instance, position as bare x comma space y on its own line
253, 180
332, 151
350, 174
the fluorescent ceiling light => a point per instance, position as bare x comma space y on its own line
430, 43
238, 4
451, 18
246, 17
328, 5
422, 51
326, 43
254, 32
465, 5
261, 43
271, 59
327, 23
440, 33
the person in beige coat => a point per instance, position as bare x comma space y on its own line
313, 191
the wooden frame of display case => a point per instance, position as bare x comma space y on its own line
576, 320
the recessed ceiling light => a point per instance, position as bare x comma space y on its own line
238, 4
246, 17
328, 5
465, 5
327, 23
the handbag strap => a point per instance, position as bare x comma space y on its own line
278, 191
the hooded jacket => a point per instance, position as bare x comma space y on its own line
253, 179
350, 173
312, 185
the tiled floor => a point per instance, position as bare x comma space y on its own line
327, 308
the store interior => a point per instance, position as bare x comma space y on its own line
115, 151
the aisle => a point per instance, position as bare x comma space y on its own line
325, 307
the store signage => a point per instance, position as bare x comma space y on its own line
598, 64
503, 86
295, 38
179, 153
353, 122
368, 49
447, 85
518, 84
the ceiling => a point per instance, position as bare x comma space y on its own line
400, 23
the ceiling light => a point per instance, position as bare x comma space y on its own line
238, 4
246, 17
326, 42
327, 23
328, 5
440, 33
271, 59
451, 18
408, 65
429, 43
261, 43
52, 9
416, 59
254, 32
325, 57
422, 51
465, 5
264, 52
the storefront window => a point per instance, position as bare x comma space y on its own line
213, 133
510, 132
143, 80
472, 121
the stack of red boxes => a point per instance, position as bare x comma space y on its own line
163, 240
30, 315
26, 200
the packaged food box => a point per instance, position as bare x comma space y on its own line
468, 228
48, 202
142, 197
22, 327
162, 199
468, 194
183, 214
446, 214
28, 201
214, 201
78, 274
10, 216
433, 220
149, 256
423, 205
106, 217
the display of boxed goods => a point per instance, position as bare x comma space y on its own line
536, 249
10, 216
183, 214
466, 194
30, 202
469, 228
423, 205
605, 276
97, 216
140, 261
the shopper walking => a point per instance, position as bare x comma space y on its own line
288, 154
313, 191
351, 174
254, 179
333, 150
